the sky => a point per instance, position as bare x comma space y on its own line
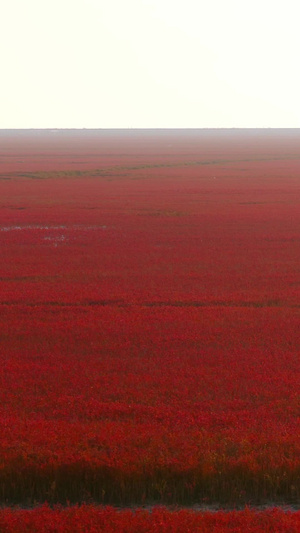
149, 64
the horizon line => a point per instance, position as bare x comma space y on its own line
153, 128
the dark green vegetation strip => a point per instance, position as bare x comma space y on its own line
81, 482
112, 170
123, 303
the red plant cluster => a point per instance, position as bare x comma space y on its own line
149, 318
93, 519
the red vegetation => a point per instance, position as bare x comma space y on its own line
149, 318
91, 519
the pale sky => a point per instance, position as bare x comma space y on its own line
149, 63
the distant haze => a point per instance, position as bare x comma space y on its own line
149, 63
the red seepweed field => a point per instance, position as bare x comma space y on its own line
150, 313
94, 519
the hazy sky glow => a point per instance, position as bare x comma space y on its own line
149, 63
